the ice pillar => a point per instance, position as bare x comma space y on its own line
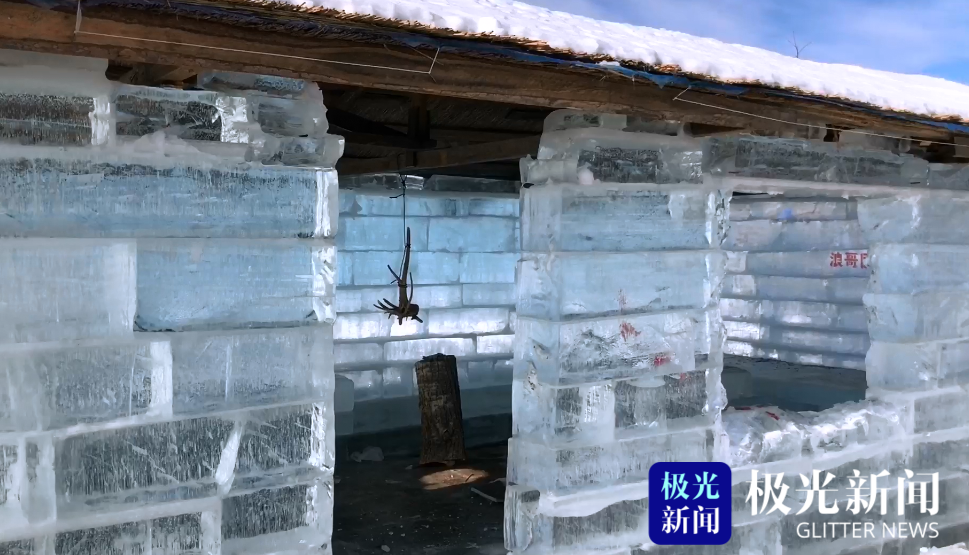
618, 345
167, 268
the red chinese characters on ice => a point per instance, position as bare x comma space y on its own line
849, 259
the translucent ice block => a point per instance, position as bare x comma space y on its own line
803, 160
373, 325
780, 288
765, 235
850, 343
294, 519
816, 264
41, 119
930, 411
66, 289
608, 531
743, 208
918, 317
486, 267
794, 356
917, 366
487, 294
429, 268
611, 156
26, 483
918, 268
934, 217
56, 196
585, 351
171, 535
569, 467
378, 233
559, 217
133, 467
416, 349
187, 285
55, 385
568, 285
472, 234
797, 313
285, 446
461, 321
361, 299
597, 412
220, 370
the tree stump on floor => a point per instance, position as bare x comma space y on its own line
442, 427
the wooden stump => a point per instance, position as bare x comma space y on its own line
442, 427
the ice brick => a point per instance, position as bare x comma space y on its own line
189, 285
129, 467
918, 268
294, 519
793, 355
506, 206
612, 156
917, 317
362, 299
933, 217
917, 366
488, 294
26, 482
186, 534
569, 285
495, 344
599, 411
816, 264
796, 313
802, 160
472, 234
66, 289
416, 349
625, 218
479, 267
780, 288
377, 233
373, 325
850, 343
357, 353
285, 446
765, 235
592, 350
565, 468
461, 321
367, 384
228, 370
62, 197
45, 119
55, 385
607, 532
428, 268
743, 208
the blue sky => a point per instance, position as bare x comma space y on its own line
914, 36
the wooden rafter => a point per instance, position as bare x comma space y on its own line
186, 42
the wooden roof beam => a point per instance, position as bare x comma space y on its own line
186, 42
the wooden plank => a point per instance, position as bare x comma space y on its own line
154, 74
441, 158
186, 42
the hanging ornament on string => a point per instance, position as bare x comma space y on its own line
404, 308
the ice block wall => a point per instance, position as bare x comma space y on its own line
796, 272
618, 344
166, 341
464, 251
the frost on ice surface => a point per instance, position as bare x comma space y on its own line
62, 289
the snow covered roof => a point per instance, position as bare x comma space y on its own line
659, 50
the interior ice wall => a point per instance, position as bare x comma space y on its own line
464, 251
166, 347
796, 273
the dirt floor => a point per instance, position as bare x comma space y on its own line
396, 506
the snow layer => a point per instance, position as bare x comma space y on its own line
731, 63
